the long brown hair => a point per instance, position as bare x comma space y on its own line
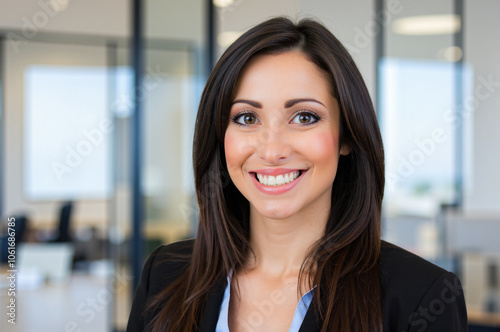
345, 261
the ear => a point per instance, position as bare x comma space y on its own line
345, 149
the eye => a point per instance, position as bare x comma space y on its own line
245, 119
305, 118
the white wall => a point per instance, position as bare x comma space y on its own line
351, 22
176, 19
172, 19
89, 17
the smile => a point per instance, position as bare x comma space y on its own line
279, 180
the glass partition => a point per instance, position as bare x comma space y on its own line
169, 113
417, 112
68, 139
58, 144
169, 94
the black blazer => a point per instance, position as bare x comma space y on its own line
417, 296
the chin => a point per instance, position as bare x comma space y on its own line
276, 212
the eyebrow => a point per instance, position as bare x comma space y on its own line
288, 104
292, 102
255, 104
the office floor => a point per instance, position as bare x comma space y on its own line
84, 303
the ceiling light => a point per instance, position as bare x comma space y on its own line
427, 25
59, 5
451, 54
223, 3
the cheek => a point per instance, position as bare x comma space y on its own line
229, 148
321, 148
237, 149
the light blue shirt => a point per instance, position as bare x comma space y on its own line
298, 317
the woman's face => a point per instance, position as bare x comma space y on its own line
282, 141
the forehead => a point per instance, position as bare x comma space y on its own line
291, 71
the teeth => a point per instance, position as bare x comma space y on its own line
273, 181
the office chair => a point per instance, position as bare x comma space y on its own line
64, 223
20, 227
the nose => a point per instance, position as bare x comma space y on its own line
273, 148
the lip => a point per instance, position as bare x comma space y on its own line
277, 190
276, 171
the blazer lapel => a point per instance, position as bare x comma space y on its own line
309, 324
212, 307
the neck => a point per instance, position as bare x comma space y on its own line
281, 246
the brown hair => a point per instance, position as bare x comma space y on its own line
345, 261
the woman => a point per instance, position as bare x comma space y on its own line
289, 175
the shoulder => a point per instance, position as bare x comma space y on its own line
174, 249
179, 247
418, 295
166, 263
399, 265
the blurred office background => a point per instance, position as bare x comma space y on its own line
78, 106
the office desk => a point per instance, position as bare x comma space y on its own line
484, 318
